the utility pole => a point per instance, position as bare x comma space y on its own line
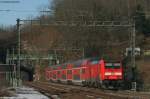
18, 63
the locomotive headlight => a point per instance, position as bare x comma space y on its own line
113, 73
118, 73
107, 73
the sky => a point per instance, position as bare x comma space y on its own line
24, 9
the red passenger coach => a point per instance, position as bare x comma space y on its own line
88, 72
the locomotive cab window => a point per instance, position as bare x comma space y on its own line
94, 62
113, 65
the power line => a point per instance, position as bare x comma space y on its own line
4, 10
9, 1
22, 11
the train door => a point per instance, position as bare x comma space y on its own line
76, 74
69, 72
64, 74
84, 73
54, 75
58, 73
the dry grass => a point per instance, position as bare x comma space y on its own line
4, 93
144, 68
7, 91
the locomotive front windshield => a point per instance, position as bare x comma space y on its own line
113, 65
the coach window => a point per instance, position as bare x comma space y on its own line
63, 76
58, 72
69, 72
76, 77
54, 76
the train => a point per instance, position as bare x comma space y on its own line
92, 72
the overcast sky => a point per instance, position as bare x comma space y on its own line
24, 9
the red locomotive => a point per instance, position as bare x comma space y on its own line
88, 72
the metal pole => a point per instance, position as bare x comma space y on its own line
133, 58
7, 57
128, 6
83, 53
14, 72
18, 64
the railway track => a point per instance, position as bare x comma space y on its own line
78, 92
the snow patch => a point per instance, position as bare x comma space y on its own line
27, 93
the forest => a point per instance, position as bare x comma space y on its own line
96, 40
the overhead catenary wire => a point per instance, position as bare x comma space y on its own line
22, 11
9, 1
